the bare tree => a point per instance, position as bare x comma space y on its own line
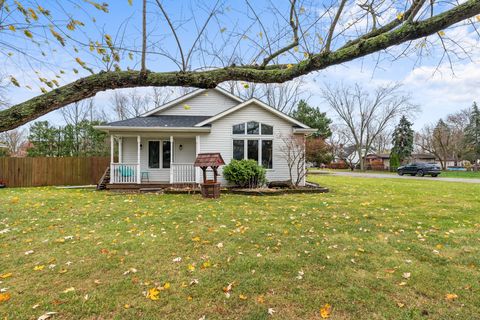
223, 44
13, 139
343, 147
365, 116
282, 96
129, 104
293, 152
436, 140
77, 112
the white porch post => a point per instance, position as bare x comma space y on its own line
120, 150
139, 179
171, 159
198, 173
112, 148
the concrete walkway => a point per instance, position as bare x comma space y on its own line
392, 176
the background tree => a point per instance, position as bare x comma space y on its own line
292, 150
402, 142
215, 42
318, 151
365, 116
314, 118
472, 133
13, 139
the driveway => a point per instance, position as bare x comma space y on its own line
392, 176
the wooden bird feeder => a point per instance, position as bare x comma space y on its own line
210, 188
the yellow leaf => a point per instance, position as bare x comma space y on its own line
441, 33
326, 311
166, 285
295, 49
153, 294
130, 2
242, 297
289, 66
186, 107
39, 268
191, 267
12, 28
478, 18
400, 16
451, 296
71, 289
127, 306
4, 297
6, 275
14, 199
28, 33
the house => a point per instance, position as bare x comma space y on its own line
375, 160
160, 146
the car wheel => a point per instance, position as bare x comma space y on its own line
434, 175
400, 173
420, 173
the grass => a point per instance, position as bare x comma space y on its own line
372, 249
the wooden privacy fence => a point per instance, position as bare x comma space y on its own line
33, 172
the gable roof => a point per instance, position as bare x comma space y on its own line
188, 96
258, 103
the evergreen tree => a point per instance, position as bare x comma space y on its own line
472, 131
313, 118
402, 141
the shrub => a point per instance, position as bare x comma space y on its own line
245, 173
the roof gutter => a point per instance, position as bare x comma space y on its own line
304, 130
155, 129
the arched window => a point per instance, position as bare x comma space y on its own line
252, 128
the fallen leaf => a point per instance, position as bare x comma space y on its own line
325, 311
451, 296
46, 316
153, 294
270, 311
406, 275
242, 297
6, 275
4, 297
39, 268
71, 289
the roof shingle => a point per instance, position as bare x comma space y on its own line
160, 121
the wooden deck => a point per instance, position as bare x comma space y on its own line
148, 186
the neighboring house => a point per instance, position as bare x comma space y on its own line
384, 159
161, 145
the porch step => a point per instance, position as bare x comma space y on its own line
104, 180
151, 190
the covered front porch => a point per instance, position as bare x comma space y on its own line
154, 160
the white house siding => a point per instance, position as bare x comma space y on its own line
207, 103
221, 137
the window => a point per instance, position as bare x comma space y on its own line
239, 128
252, 149
166, 154
154, 154
266, 129
238, 149
253, 127
267, 153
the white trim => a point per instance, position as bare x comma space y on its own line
112, 148
198, 173
156, 129
188, 96
120, 149
171, 158
139, 143
246, 103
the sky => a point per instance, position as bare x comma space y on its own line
436, 87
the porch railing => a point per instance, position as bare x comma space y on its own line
124, 172
182, 173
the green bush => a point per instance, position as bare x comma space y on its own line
245, 173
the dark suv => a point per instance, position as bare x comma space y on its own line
420, 169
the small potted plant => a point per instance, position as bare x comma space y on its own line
3, 184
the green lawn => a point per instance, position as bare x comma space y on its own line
372, 249
445, 174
